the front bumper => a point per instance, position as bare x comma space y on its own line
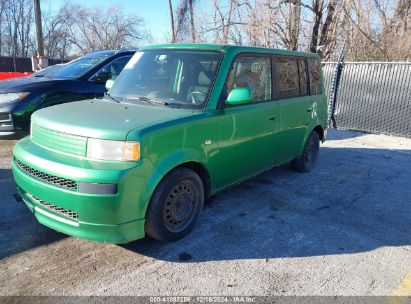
113, 218
6, 124
117, 234
11, 124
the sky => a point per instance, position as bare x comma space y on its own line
154, 12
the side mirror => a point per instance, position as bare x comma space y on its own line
109, 84
102, 77
239, 96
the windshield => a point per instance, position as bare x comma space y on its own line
179, 78
48, 71
78, 67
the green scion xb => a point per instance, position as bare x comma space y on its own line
181, 123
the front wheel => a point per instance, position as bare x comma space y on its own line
306, 161
175, 206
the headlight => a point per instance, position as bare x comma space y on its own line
12, 97
113, 150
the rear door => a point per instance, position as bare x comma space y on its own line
318, 105
248, 133
294, 102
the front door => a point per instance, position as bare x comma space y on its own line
247, 133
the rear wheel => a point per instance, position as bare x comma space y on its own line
307, 160
175, 206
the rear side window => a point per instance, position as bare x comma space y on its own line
288, 79
302, 72
253, 72
314, 72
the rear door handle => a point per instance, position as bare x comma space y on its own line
272, 118
309, 110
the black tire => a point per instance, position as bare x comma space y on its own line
306, 161
175, 206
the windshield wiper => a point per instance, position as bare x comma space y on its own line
111, 97
148, 100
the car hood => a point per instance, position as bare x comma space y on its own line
103, 119
27, 84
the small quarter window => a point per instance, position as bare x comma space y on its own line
253, 72
315, 78
288, 80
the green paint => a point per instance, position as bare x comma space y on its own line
239, 96
231, 143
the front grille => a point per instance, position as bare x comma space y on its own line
66, 143
51, 179
62, 211
5, 117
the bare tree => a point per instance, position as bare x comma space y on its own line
185, 21
56, 28
371, 29
324, 31
222, 21
378, 29
95, 29
2, 21
15, 27
66, 33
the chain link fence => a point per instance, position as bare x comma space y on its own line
372, 97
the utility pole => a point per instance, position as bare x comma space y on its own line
39, 61
39, 31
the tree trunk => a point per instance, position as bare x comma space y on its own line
193, 33
327, 22
173, 31
293, 24
318, 13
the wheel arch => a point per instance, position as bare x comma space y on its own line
202, 172
155, 180
319, 130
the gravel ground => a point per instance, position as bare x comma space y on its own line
343, 229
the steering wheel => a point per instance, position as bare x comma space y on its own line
195, 96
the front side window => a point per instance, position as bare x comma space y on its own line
78, 67
114, 68
315, 76
288, 78
180, 78
253, 72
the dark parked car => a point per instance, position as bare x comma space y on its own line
50, 70
83, 78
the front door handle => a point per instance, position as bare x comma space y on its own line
272, 118
309, 110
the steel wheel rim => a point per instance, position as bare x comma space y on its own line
310, 151
180, 206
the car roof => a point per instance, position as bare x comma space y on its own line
227, 48
108, 53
